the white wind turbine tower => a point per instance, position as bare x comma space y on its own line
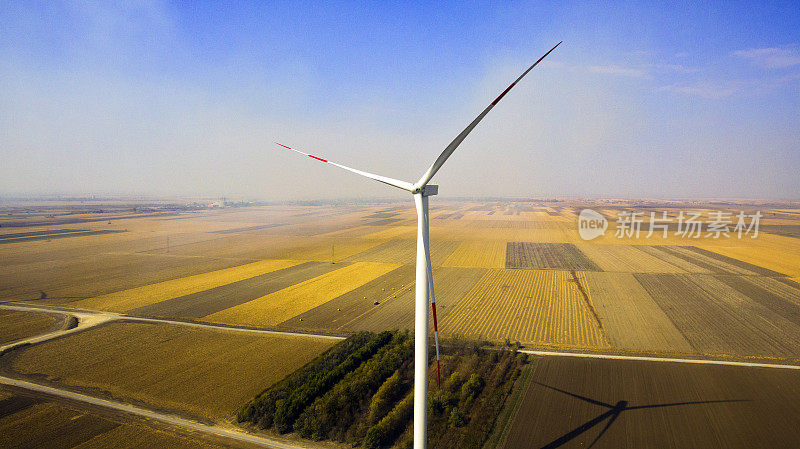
424, 282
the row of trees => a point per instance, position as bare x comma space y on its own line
261, 410
360, 392
339, 413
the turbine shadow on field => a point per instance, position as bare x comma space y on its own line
612, 414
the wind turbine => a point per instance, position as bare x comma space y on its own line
424, 281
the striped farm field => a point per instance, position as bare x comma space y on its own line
781, 254
281, 305
628, 259
162, 291
490, 254
726, 314
532, 306
631, 319
324, 250
404, 252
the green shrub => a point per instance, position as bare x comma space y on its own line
392, 425
471, 388
457, 419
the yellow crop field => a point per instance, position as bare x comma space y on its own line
781, 254
393, 232
149, 294
279, 306
16, 325
491, 254
539, 307
206, 372
323, 249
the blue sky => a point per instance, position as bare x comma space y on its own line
677, 100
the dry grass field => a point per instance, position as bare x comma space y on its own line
30, 421
206, 373
17, 325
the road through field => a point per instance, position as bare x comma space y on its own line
165, 418
600, 355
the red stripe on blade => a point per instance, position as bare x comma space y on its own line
504, 93
276, 143
435, 324
317, 158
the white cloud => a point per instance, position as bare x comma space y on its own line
617, 70
770, 58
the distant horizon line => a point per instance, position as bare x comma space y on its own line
188, 199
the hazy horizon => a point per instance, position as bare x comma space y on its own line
159, 99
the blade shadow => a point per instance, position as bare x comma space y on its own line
612, 414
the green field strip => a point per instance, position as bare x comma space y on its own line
200, 304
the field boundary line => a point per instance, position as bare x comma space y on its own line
229, 327
658, 359
118, 317
150, 414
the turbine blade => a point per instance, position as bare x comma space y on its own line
608, 424
673, 404
576, 396
435, 322
384, 179
425, 179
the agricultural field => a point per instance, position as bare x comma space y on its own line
279, 306
206, 373
17, 325
31, 421
503, 270
616, 403
541, 307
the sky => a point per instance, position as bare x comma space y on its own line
675, 100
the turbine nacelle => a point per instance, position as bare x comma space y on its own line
428, 190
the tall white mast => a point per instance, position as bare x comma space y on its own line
421, 190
